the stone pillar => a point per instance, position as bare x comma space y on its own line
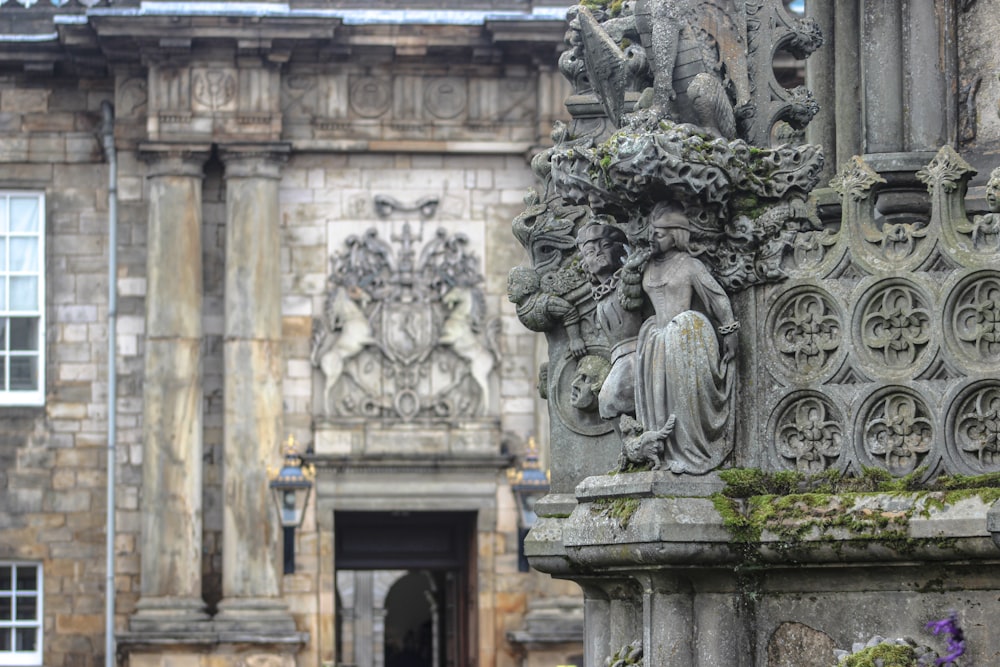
253, 413
821, 79
882, 74
170, 594
931, 47
847, 75
596, 622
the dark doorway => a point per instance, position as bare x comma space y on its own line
415, 607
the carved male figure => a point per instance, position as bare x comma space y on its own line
602, 253
679, 370
540, 311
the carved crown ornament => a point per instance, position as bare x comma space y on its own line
404, 334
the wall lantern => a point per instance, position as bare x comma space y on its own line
529, 483
291, 487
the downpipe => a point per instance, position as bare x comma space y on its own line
108, 142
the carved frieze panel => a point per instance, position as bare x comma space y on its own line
914, 371
216, 101
398, 104
405, 336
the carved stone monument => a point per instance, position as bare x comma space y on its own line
793, 377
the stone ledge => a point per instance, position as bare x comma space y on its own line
208, 639
620, 529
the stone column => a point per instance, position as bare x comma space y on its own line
882, 74
253, 413
847, 76
170, 595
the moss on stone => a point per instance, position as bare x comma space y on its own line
619, 509
882, 655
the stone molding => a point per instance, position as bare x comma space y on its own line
252, 160
180, 159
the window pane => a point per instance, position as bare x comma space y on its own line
24, 254
27, 578
3, 293
23, 337
23, 373
5, 609
27, 639
3, 215
3, 253
5, 578
3, 375
23, 293
26, 608
5, 643
24, 214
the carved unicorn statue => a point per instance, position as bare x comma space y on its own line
462, 331
344, 332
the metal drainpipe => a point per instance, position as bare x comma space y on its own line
108, 132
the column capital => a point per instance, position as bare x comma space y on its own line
254, 160
170, 159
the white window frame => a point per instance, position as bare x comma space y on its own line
15, 657
34, 397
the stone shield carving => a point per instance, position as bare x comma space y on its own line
404, 335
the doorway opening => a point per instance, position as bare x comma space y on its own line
405, 588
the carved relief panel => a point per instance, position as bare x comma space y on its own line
404, 337
217, 101
883, 347
376, 105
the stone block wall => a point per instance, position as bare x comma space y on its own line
53, 459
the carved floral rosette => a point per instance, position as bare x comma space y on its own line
404, 334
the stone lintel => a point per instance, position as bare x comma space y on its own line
175, 159
254, 160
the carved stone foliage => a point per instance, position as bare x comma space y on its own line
808, 432
404, 335
922, 294
897, 430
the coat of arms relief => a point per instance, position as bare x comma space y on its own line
404, 335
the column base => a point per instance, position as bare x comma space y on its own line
239, 618
169, 616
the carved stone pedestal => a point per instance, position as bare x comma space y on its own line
708, 581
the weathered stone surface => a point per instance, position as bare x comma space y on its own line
797, 645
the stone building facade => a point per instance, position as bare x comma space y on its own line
279, 166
